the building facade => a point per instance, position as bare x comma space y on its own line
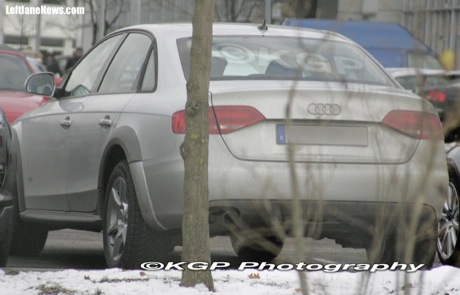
33, 32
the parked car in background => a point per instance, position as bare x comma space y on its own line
36, 64
6, 47
14, 70
390, 43
6, 197
110, 141
440, 88
448, 245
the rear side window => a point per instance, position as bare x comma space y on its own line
86, 73
149, 80
287, 58
125, 71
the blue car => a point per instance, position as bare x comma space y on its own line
390, 43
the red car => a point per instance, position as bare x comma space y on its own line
14, 70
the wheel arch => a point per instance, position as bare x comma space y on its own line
452, 169
125, 145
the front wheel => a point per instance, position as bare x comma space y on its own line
28, 238
448, 227
128, 241
6, 229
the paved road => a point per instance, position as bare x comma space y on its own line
83, 250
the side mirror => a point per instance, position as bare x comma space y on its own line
43, 84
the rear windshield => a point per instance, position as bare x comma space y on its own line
13, 72
285, 58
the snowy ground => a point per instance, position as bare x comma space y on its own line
442, 280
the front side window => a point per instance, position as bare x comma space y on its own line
286, 58
85, 74
125, 71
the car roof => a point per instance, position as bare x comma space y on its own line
400, 72
179, 30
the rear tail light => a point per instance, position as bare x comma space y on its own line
436, 96
222, 119
419, 125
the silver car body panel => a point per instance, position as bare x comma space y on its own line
362, 109
93, 123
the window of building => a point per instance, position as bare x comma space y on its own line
54, 2
16, 40
54, 42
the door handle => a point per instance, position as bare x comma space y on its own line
106, 122
66, 123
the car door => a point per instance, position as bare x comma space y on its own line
46, 134
100, 112
44, 151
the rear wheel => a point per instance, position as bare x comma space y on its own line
448, 227
128, 241
258, 248
395, 249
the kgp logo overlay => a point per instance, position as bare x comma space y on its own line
332, 267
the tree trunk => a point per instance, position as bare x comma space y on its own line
194, 150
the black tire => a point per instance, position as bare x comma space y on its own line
394, 249
128, 241
258, 248
5, 237
28, 238
447, 243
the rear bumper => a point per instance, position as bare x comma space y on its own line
365, 187
350, 223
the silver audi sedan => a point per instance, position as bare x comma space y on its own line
295, 115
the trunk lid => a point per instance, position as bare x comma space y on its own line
329, 122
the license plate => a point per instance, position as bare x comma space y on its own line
322, 135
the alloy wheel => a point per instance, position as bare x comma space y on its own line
117, 218
448, 227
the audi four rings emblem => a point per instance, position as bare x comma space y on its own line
330, 109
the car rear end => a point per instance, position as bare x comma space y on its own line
313, 118
345, 167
